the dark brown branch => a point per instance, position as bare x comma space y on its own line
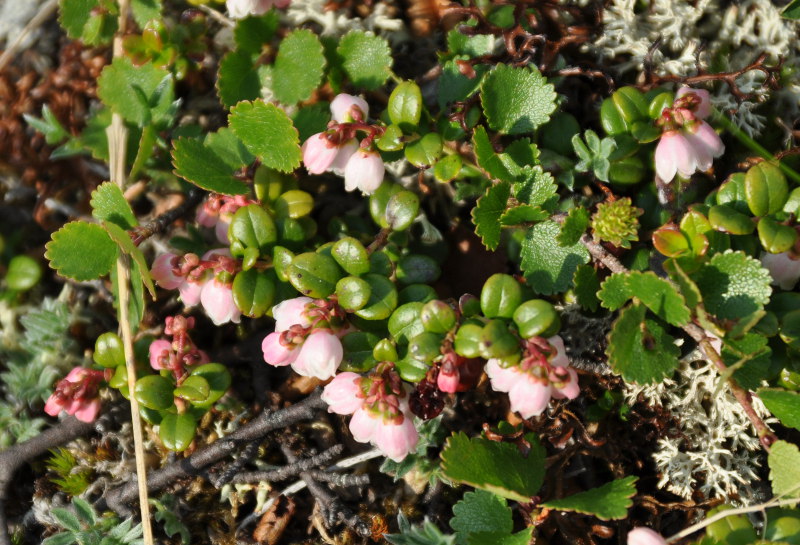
767, 437
338, 479
143, 232
255, 430
295, 468
16, 456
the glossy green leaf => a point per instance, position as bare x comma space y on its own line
252, 228
382, 298
23, 273
765, 188
108, 351
405, 105
314, 275
424, 152
726, 219
358, 348
218, 378
447, 168
500, 296
154, 392
194, 389
351, 255
405, 322
496, 341
438, 317
493, 466
294, 204
353, 293
254, 292
536, 318
608, 502
379, 200
81, 251
177, 431
775, 237
401, 210
417, 269
516, 100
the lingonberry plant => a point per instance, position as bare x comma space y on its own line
489, 256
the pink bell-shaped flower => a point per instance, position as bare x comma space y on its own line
784, 268
501, 378
217, 300
396, 439
565, 383
319, 153
703, 107
343, 394
276, 353
529, 397
363, 424
77, 393
346, 151
342, 108
674, 154
320, 355
163, 271
364, 171
448, 379
706, 143
159, 354
645, 536
291, 312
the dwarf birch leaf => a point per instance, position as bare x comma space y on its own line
488, 158
109, 204
229, 148
517, 100
251, 33
615, 291
365, 58
268, 133
523, 214
639, 349
79, 21
81, 251
140, 94
200, 164
608, 502
785, 405
496, 467
494, 538
536, 187
487, 212
784, 469
574, 226
547, 266
734, 285
661, 297
238, 78
480, 511
455, 86
298, 68
145, 10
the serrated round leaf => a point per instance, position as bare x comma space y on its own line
775, 237
238, 78
549, 267
78, 19
353, 293
201, 165
140, 94
733, 285
382, 298
218, 378
417, 269
785, 405
481, 511
358, 347
365, 59
253, 292
500, 296
108, 351
351, 255
81, 251
194, 389
314, 275
401, 210
782, 527
298, 67
405, 105
252, 227
23, 273
486, 214
765, 188
109, 204
424, 152
784, 465
405, 323
639, 349
154, 392
517, 100
177, 431
268, 133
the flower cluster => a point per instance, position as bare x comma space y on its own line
306, 337
206, 280
217, 212
379, 405
239, 9
78, 394
542, 373
181, 352
688, 143
337, 149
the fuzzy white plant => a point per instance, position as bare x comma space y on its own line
717, 452
335, 23
733, 35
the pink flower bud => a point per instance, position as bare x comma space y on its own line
205, 217
346, 151
363, 424
77, 393
275, 353
162, 271
364, 171
157, 354
645, 536
529, 397
319, 356
85, 411
217, 300
343, 394
703, 109
674, 154
319, 153
448, 379
342, 108
396, 440
291, 312
784, 268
